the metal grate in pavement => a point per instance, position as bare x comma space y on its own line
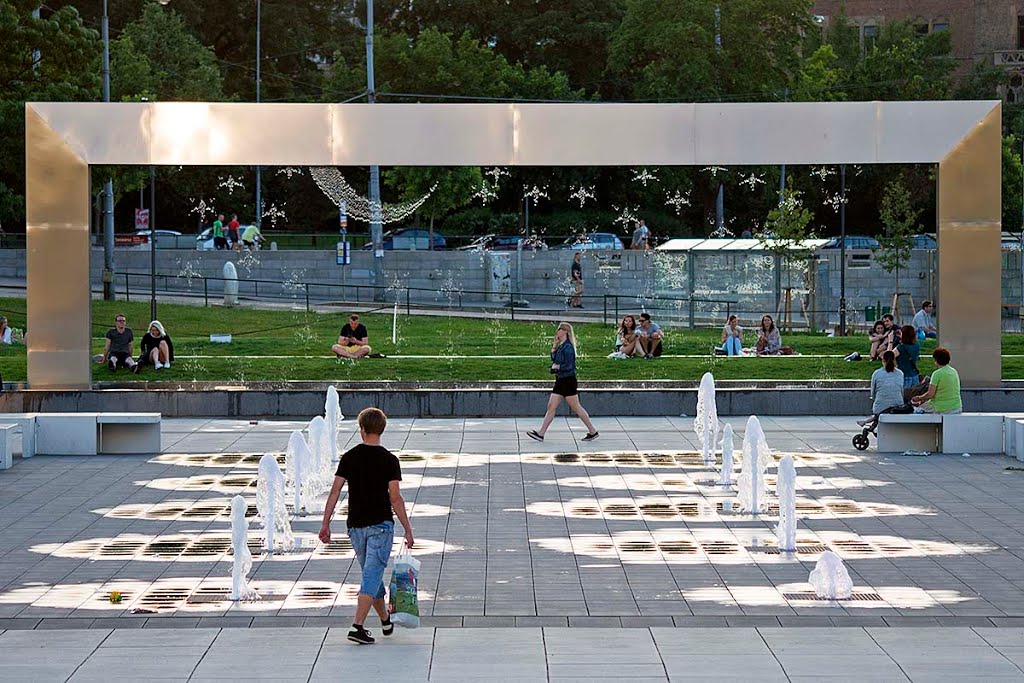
813, 597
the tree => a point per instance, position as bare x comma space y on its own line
900, 218
158, 57
449, 188
786, 232
43, 59
1013, 176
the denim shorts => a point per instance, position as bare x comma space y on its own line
373, 549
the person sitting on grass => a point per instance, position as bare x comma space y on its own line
626, 344
769, 341
879, 339
886, 390
732, 337
5, 331
352, 340
117, 348
925, 323
157, 348
943, 394
649, 335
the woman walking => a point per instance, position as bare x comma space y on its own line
563, 366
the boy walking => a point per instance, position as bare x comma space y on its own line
373, 474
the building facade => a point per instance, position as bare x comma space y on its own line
983, 31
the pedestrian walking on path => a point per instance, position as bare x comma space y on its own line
373, 474
563, 366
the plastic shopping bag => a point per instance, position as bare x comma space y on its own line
403, 602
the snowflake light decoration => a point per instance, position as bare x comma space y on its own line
486, 193
289, 171
497, 173
677, 201
752, 181
835, 201
536, 193
274, 213
231, 184
714, 170
822, 172
201, 208
626, 215
644, 176
582, 194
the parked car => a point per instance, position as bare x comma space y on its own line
405, 239
165, 239
924, 242
505, 243
854, 242
1010, 243
593, 241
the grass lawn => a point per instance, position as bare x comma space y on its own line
304, 338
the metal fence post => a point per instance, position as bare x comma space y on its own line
206, 292
307, 296
127, 289
408, 302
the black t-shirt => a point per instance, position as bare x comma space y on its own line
120, 342
368, 471
577, 271
149, 342
358, 333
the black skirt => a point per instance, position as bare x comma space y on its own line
565, 386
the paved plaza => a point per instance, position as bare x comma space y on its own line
523, 545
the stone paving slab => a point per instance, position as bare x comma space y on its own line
535, 654
629, 531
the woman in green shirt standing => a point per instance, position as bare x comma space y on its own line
943, 395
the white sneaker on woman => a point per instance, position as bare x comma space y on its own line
159, 365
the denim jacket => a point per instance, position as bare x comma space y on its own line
565, 357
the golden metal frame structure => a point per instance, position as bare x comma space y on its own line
63, 138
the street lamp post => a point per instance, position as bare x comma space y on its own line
842, 250
108, 187
259, 175
152, 242
376, 232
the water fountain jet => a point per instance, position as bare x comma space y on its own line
830, 578
242, 562
785, 489
270, 504
705, 424
725, 479
756, 459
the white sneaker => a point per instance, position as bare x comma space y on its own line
167, 364
159, 365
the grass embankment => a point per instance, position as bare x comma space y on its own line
261, 336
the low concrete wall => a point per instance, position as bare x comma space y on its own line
523, 401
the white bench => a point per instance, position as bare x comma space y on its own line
7, 446
898, 433
94, 433
1013, 435
26, 422
981, 433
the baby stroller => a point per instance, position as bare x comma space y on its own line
861, 441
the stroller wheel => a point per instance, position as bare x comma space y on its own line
860, 442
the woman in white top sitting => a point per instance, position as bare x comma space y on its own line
732, 337
5, 331
886, 389
625, 337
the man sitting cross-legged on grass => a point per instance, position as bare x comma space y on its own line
649, 335
352, 340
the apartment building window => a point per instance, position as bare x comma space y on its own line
940, 26
1020, 33
869, 36
921, 28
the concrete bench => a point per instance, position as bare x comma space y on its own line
97, 433
1013, 435
26, 423
980, 433
898, 433
7, 446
